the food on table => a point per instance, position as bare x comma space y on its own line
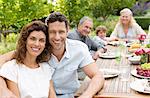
148, 46
135, 45
144, 70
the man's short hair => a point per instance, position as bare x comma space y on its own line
56, 16
83, 19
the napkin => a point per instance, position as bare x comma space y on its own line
147, 86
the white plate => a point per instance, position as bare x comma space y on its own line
134, 73
114, 43
129, 55
109, 73
129, 44
108, 55
139, 85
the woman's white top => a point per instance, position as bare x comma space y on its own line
32, 83
133, 31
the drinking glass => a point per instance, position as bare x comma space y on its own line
124, 72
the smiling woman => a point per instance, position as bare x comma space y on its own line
126, 28
25, 74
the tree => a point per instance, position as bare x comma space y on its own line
104, 8
73, 9
16, 13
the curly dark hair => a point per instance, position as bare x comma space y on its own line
57, 16
21, 49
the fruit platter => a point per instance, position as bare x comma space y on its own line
144, 70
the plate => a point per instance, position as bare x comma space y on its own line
129, 44
129, 55
109, 73
134, 73
140, 85
113, 43
108, 55
132, 50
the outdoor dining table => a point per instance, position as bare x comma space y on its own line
115, 87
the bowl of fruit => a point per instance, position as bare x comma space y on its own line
144, 70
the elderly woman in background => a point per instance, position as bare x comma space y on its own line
126, 28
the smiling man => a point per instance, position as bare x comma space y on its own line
82, 32
67, 56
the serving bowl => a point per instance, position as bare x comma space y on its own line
135, 60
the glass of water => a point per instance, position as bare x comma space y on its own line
124, 72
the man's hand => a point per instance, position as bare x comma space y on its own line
99, 52
6, 57
96, 55
4, 91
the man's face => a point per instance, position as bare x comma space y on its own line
57, 35
85, 28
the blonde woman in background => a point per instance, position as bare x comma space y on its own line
126, 28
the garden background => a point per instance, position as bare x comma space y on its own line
16, 13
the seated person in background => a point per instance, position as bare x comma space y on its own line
82, 34
126, 28
28, 75
100, 37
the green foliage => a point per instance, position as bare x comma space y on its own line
144, 22
101, 9
104, 8
110, 23
6, 17
10, 43
20, 12
5, 49
12, 38
73, 9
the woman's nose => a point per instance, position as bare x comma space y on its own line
36, 42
